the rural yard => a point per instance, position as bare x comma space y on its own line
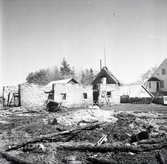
83, 82
71, 135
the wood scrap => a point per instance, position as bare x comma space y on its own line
88, 122
13, 160
104, 138
92, 160
160, 158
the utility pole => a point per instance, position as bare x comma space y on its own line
104, 55
100, 64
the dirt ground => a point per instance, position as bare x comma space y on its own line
19, 126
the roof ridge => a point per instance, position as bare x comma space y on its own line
110, 73
165, 60
105, 71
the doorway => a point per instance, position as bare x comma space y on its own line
95, 96
157, 86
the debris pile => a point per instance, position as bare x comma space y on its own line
88, 115
87, 136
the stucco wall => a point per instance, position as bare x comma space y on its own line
74, 95
115, 93
32, 96
7, 90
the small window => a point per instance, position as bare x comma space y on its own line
85, 96
163, 71
165, 98
50, 96
108, 94
162, 84
63, 95
149, 84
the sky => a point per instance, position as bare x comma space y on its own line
37, 34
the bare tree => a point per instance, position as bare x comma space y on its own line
145, 76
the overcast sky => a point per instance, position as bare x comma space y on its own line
39, 33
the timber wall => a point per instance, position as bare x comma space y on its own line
8, 90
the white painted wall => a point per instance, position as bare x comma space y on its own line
32, 96
115, 93
74, 95
158, 75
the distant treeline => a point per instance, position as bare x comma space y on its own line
46, 75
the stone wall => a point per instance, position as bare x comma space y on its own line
32, 96
73, 95
109, 94
6, 91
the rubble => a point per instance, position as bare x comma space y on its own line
53, 106
51, 137
72, 117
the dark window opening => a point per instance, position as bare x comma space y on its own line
108, 94
64, 96
85, 96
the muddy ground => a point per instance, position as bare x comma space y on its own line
22, 133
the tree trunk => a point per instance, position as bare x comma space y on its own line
117, 147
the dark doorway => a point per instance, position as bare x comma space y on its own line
95, 97
157, 86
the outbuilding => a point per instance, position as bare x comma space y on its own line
106, 88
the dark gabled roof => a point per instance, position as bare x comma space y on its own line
153, 79
111, 79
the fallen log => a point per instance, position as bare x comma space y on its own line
13, 160
101, 148
92, 160
64, 136
115, 147
153, 141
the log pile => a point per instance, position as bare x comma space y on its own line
111, 146
118, 147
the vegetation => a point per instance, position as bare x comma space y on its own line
85, 76
44, 76
146, 75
